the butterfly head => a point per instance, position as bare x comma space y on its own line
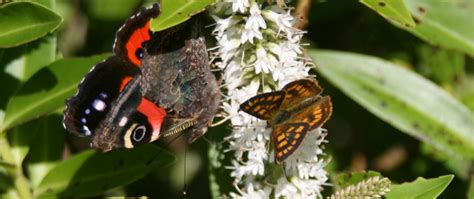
134, 124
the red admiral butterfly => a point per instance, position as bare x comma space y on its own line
155, 84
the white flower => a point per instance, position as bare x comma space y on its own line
253, 25
259, 51
239, 5
251, 193
285, 189
223, 24
265, 62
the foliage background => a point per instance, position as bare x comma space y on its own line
36, 145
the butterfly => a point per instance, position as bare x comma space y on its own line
291, 113
117, 103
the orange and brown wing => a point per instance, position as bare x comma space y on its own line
287, 138
263, 106
298, 90
316, 114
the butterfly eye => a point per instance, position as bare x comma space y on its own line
139, 133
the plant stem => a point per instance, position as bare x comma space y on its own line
20, 182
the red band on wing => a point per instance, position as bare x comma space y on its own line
155, 114
125, 81
135, 42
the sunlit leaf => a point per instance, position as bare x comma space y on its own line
444, 23
23, 22
402, 98
91, 173
20, 63
177, 11
47, 90
395, 10
420, 188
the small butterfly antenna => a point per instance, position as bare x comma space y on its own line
221, 121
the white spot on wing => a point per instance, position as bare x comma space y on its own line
87, 132
103, 95
123, 121
99, 105
87, 111
83, 120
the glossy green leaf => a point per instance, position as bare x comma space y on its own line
402, 98
23, 22
444, 23
47, 149
112, 9
23, 61
177, 11
394, 10
47, 90
20, 63
420, 188
91, 173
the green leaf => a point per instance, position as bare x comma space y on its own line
5, 181
420, 188
344, 180
177, 11
91, 173
20, 138
23, 22
470, 191
402, 98
47, 149
21, 62
444, 23
445, 67
24, 61
47, 90
395, 10
110, 10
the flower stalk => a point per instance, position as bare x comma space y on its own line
374, 187
259, 50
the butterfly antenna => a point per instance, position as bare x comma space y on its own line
220, 122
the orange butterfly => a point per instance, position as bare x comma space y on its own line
291, 113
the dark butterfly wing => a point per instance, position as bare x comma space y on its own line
97, 91
263, 106
287, 138
177, 76
133, 36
